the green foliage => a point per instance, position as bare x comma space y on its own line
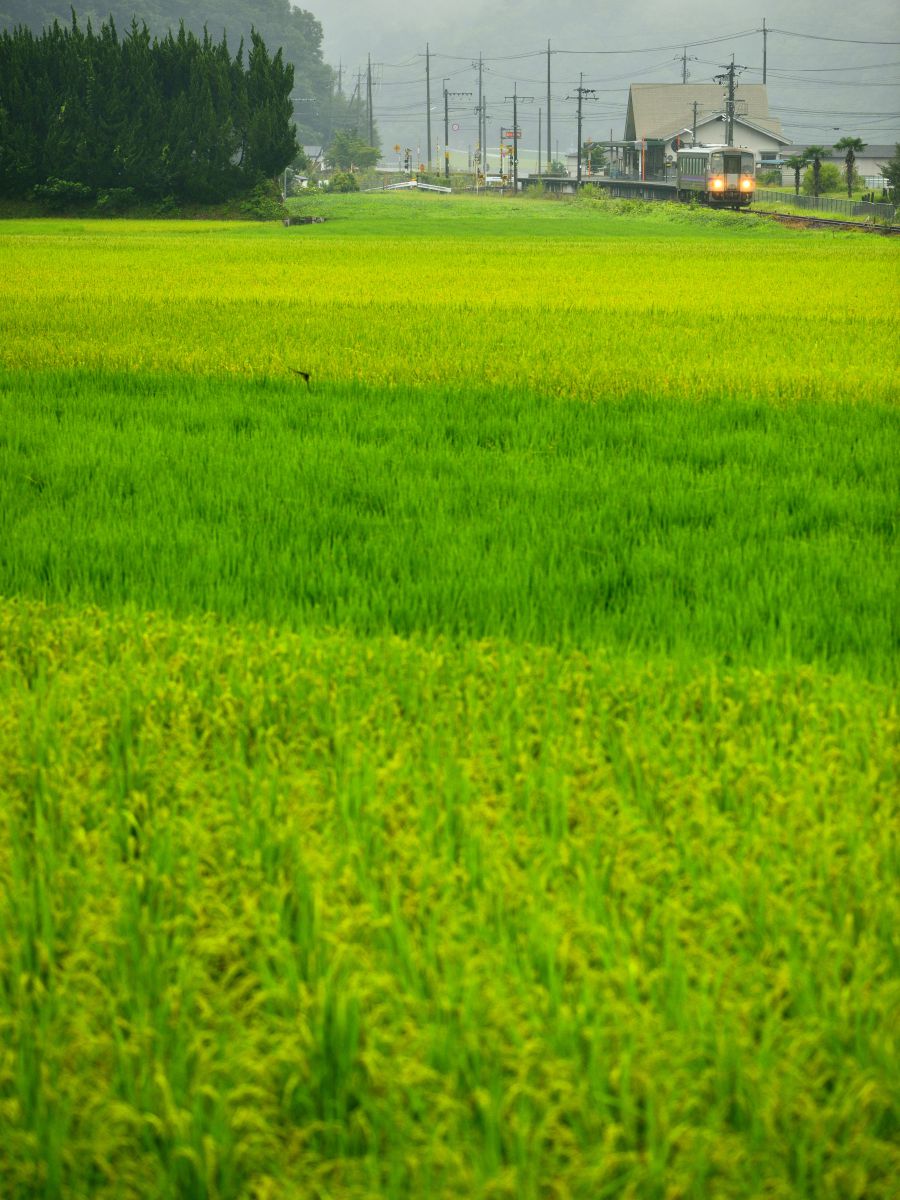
343, 181
593, 154
178, 117
829, 180
771, 178
296, 32
796, 163
264, 202
557, 168
815, 154
852, 146
167, 207
349, 151
62, 195
891, 172
115, 200
270, 142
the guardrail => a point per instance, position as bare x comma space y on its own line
828, 204
414, 185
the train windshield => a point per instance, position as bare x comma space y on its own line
732, 164
715, 163
747, 164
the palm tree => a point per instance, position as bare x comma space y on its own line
815, 154
851, 145
796, 163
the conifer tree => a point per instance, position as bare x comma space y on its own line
83, 110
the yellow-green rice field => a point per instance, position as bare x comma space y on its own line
475, 772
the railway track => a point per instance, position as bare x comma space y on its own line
826, 223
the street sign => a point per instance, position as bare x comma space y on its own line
512, 133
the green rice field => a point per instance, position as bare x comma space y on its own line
475, 771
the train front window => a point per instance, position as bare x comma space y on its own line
732, 164
747, 164
715, 164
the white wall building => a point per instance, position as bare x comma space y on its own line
670, 111
869, 163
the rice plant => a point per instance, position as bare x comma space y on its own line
470, 771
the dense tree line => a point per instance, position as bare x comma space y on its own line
319, 110
178, 116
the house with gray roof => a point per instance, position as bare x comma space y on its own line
681, 112
869, 162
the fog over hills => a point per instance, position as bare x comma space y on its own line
821, 89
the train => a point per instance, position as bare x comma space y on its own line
721, 176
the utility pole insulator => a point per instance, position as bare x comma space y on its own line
729, 78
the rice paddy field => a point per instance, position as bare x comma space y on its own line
475, 771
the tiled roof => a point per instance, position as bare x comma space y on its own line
655, 110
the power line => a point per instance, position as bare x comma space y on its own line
387, 76
862, 67
819, 37
634, 50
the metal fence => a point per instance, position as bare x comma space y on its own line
846, 208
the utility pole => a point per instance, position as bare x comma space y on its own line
694, 127
729, 79
539, 143
340, 90
515, 139
369, 102
684, 58
428, 100
765, 34
447, 95
548, 107
581, 92
484, 133
446, 130
515, 97
484, 156
480, 143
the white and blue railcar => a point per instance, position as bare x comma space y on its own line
722, 176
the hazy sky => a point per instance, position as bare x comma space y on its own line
821, 89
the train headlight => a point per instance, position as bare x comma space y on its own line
747, 185
718, 184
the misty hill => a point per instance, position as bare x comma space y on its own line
298, 32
